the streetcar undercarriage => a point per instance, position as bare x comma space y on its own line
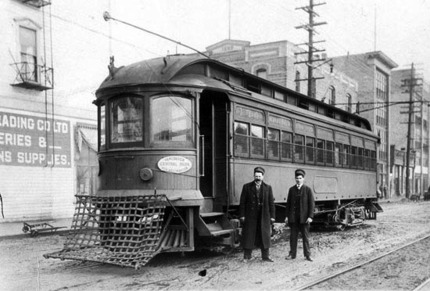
345, 214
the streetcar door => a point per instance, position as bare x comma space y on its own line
214, 131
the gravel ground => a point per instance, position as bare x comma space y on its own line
403, 269
24, 268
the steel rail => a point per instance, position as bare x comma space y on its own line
424, 286
344, 271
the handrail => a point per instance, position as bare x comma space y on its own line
202, 154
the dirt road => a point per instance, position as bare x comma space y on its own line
24, 268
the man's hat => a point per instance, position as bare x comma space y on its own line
300, 172
259, 169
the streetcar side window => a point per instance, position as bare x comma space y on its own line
171, 122
360, 158
329, 153
373, 160
320, 151
299, 141
338, 154
354, 153
241, 133
126, 116
346, 156
273, 144
310, 150
257, 141
367, 163
286, 146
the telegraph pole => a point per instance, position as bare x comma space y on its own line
410, 83
311, 49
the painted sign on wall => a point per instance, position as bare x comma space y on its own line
27, 140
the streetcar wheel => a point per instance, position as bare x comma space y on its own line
341, 227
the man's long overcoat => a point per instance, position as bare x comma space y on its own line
249, 210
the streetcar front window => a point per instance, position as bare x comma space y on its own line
171, 122
126, 120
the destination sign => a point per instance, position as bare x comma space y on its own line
174, 164
27, 140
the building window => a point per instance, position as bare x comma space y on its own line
349, 103
28, 52
297, 81
382, 98
262, 73
381, 86
332, 98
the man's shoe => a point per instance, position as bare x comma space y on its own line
268, 260
308, 258
290, 257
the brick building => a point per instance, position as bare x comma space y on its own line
276, 62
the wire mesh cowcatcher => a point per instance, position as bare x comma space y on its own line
123, 231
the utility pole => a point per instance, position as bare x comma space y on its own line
410, 83
311, 49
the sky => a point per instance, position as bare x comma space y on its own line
398, 28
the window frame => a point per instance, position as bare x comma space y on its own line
299, 149
288, 146
275, 142
237, 135
171, 144
125, 144
254, 141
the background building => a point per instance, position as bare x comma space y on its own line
54, 56
419, 130
277, 62
373, 73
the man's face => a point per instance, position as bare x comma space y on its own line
300, 179
258, 177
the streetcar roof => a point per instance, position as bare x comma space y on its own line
175, 70
152, 71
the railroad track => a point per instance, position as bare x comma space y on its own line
324, 282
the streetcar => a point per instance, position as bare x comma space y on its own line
179, 136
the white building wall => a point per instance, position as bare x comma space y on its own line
78, 48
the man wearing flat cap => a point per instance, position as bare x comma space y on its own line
299, 214
257, 213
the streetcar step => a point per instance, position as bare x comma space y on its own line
213, 224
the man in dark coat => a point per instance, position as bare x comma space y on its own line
257, 213
299, 214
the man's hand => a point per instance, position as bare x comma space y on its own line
309, 220
286, 220
272, 220
242, 219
